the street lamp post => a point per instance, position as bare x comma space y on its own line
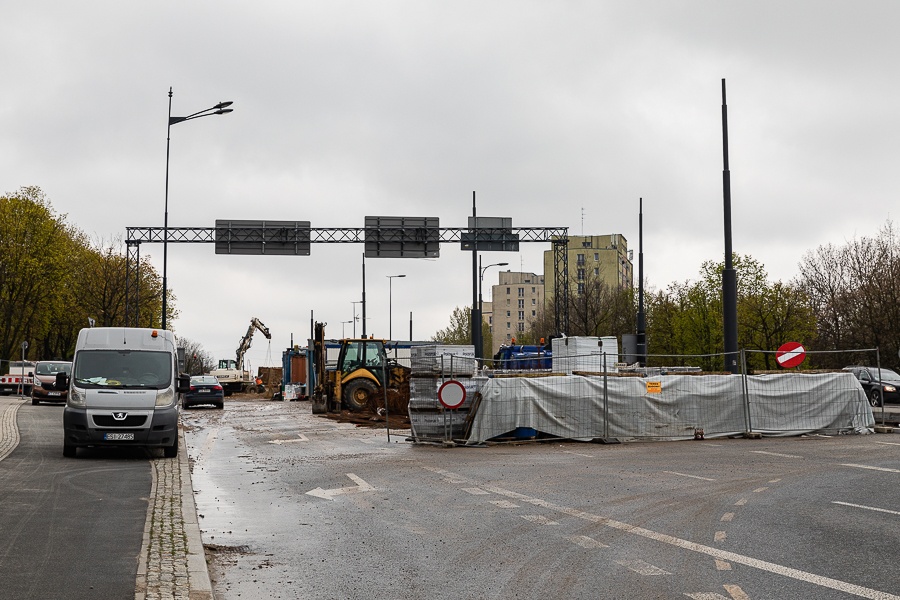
343, 333
479, 348
390, 312
219, 109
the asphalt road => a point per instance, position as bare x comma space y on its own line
298, 506
69, 528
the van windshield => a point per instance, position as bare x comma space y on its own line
123, 368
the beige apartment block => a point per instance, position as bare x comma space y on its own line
515, 302
593, 256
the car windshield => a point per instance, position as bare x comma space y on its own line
123, 368
886, 374
46, 368
203, 380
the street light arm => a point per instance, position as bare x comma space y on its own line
218, 109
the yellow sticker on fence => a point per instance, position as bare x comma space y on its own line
654, 387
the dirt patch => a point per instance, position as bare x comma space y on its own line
363, 419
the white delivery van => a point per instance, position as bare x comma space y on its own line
123, 390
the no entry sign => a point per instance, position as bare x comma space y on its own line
452, 394
790, 355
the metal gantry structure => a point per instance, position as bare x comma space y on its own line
302, 237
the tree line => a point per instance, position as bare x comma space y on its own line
845, 298
54, 278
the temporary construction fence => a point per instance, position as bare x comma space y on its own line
638, 403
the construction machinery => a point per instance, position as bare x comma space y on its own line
363, 378
231, 373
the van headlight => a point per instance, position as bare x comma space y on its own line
76, 398
165, 397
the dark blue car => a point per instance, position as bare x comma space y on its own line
886, 386
205, 389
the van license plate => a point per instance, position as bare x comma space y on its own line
122, 437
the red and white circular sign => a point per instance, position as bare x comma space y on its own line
790, 355
452, 394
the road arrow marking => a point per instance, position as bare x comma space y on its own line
361, 486
302, 438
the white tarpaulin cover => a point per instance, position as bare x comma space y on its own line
577, 407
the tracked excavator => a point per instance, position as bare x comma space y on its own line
231, 373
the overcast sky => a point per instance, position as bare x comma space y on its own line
557, 114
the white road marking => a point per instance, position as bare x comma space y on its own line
741, 502
475, 491
889, 443
871, 468
642, 568
775, 454
706, 596
884, 510
727, 517
722, 565
301, 438
587, 542
720, 536
504, 504
758, 490
762, 565
361, 486
774, 480
578, 454
736, 592
686, 475
540, 519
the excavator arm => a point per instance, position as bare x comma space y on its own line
244, 344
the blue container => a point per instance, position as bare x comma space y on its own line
524, 433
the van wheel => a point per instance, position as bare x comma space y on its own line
171, 451
69, 450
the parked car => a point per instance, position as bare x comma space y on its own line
205, 389
45, 388
887, 386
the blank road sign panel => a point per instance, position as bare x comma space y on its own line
277, 238
402, 237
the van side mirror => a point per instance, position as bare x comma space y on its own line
184, 383
62, 381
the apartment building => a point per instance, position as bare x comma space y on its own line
515, 302
590, 257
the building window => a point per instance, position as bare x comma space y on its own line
521, 292
534, 313
521, 303
534, 290
507, 313
581, 274
597, 272
521, 315
596, 257
508, 325
507, 291
534, 301
580, 288
521, 327
580, 259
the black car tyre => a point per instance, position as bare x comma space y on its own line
874, 398
69, 450
357, 394
35, 401
171, 451
220, 405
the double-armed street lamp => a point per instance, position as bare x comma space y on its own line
479, 342
390, 312
219, 109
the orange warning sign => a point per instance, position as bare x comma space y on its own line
654, 387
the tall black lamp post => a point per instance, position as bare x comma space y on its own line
390, 312
479, 345
219, 109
